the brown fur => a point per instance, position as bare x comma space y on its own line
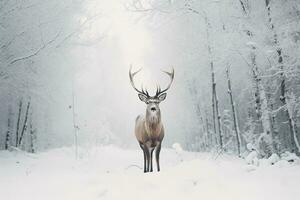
149, 132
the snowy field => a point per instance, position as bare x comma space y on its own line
114, 173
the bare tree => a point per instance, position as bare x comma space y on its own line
8, 132
32, 135
209, 135
25, 123
18, 122
236, 128
282, 80
218, 118
215, 108
265, 139
244, 6
213, 101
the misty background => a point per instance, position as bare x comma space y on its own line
54, 52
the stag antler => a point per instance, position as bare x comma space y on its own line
131, 75
171, 75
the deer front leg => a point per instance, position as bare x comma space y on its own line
157, 152
151, 162
145, 161
147, 153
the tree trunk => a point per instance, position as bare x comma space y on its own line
243, 6
274, 128
209, 49
282, 97
32, 136
8, 135
293, 127
209, 138
18, 122
203, 132
215, 102
282, 79
236, 128
25, 123
266, 118
256, 81
261, 106
219, 119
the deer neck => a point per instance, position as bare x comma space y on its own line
153, 123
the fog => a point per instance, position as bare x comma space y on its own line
228, 123
105, 102
55, 52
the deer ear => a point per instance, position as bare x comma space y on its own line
162, 96
143, 97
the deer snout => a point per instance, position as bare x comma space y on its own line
153, 108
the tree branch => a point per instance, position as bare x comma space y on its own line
44, 45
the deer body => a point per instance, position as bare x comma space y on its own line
149, 130
145, 131
150, 137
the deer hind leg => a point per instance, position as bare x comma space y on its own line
157, 152
145, 160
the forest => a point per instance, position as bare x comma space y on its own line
232, 109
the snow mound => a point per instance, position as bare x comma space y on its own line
177, 147
252, 158
250, 147
290, 157
274, 158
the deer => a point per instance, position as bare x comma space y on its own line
149, 129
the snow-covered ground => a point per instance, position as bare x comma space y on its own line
113, 173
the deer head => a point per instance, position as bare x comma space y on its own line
153, 111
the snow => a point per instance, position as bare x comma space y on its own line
252, 158
251, 44
110, 172
290, 157
250, 147
274, 158
177, 147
